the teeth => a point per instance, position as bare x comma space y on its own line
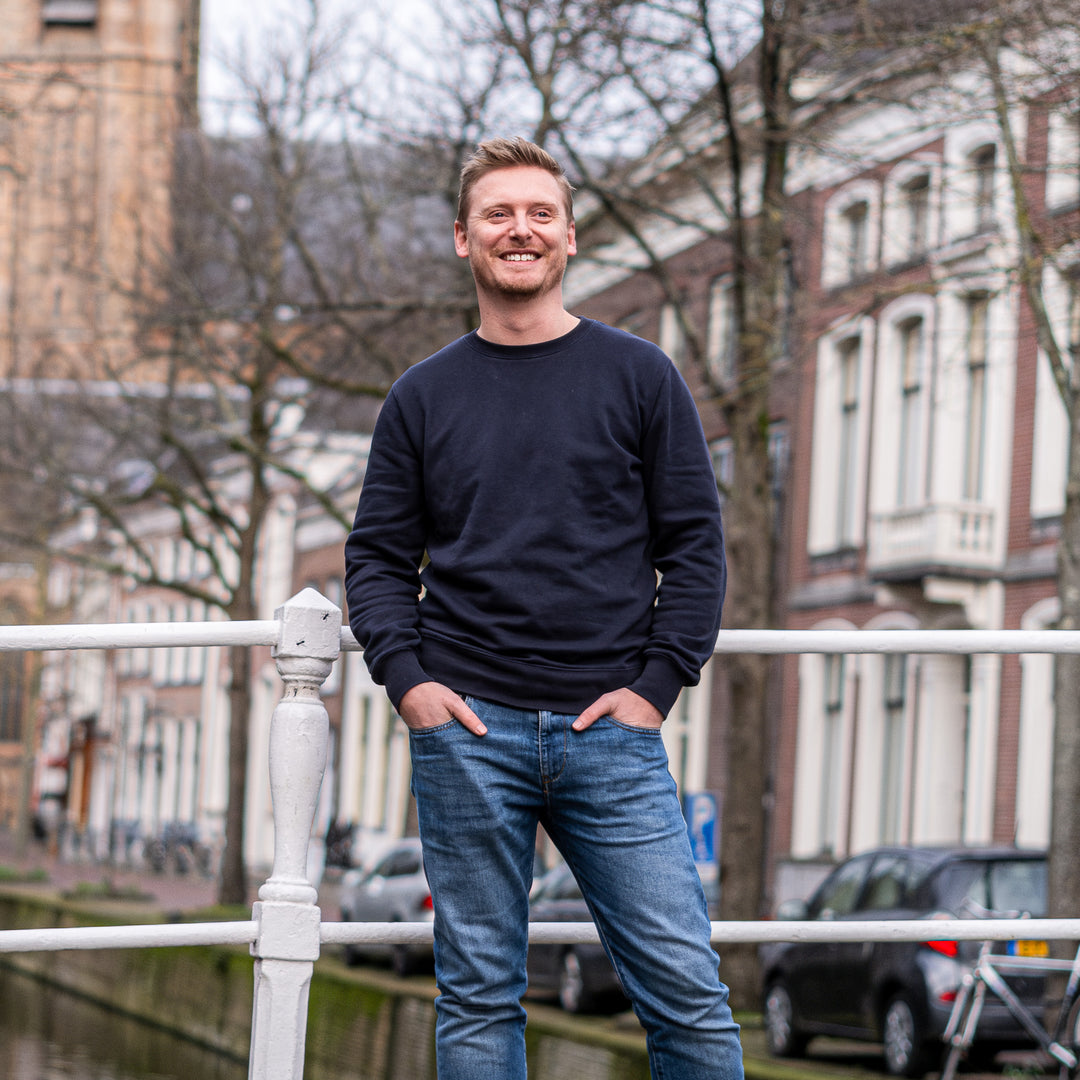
520, 258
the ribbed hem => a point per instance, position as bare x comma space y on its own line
523, 684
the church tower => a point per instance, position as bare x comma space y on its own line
93, 95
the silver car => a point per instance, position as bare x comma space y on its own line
395, 889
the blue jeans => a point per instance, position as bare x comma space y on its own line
608, 802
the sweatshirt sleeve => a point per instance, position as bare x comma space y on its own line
688, 545
383, 555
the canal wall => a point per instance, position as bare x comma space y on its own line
362, 1024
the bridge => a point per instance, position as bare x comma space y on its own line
286, 932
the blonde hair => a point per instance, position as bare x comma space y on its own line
508, 154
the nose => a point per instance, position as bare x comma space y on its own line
519, 224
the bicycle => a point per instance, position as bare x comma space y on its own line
1061, 1042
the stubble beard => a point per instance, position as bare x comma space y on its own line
511, 288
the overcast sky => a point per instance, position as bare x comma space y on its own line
227, 24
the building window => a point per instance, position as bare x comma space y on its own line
723, 333
856, 220
723, 459
892, 760
672, 335
983, 163
916, 201
831, 780
69, 12
1062, 158
1073, 330
909, 479
975, 437
849, 433
779, 453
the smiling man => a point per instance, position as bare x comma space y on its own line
553, 470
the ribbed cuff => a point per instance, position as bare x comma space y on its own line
401, 671
659, 683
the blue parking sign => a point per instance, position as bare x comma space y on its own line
699, 809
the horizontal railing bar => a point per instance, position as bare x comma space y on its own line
139, 635
566, 933
898, 641
772, 642
387, 933
151, 936
406, 933
899, 930
876, 641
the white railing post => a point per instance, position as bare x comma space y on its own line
287, 943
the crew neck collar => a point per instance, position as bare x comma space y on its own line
538, 348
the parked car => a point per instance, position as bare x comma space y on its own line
394, 889
901, 993
580, 975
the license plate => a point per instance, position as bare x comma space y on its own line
1028, 948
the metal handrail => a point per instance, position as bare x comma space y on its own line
286, 931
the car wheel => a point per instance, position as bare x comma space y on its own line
905, 1046
574, 996
780, 1035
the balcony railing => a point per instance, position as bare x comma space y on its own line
933, 538
285, 932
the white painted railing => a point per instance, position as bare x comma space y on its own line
286, 931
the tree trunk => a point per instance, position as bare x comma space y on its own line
743, 834
749, 533
1064, 869
232, 887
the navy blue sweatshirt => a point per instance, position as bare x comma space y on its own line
552, 487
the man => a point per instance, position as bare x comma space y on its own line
552, 470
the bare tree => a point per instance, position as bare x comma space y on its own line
306, 265
1029, 54
681, 115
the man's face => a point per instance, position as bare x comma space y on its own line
517, 234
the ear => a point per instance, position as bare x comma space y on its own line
571, 240
461, 240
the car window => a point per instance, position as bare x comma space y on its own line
994, 885
840, 891
887, 884
1018, 885
399, 864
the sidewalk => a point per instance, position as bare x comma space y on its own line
170, 891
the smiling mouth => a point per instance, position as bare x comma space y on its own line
520, 256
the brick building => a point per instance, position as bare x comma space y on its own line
92, 96
925, 448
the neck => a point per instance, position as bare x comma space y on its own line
505, 325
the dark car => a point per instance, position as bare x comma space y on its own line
901, 993
395, 889
581, 975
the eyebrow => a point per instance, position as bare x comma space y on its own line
506, 204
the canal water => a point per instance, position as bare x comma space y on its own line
49, 1034
46, 1034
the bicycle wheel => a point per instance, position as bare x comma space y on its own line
1072, 1035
